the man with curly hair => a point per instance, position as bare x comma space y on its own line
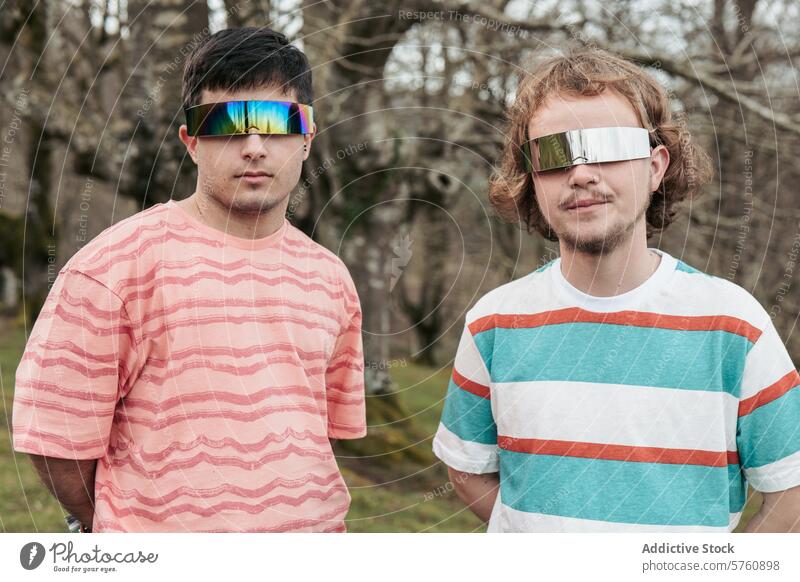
615, 388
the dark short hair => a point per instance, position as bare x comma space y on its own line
246, 58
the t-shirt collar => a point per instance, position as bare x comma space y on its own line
574, 296
271, 240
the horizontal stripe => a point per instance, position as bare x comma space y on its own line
142, 287
198, 321
117, 257
218, 396
332, 482
134, 236
25, 433
94, 371
621, 492
346, 351
352, 430
779, 475
84, 325
85, 306
466, 456
355, 365
280, 282
470, 386
55, 389
237, 354
95, 411
591, 352
616, 413
206, 305
248, 264
354, 400
216, 509
611, 452
334, 385
176, 448
233, 415
771, 431
154, 213
330, 521
114, 251
37, 447
469, 416
625, 318
72, 348
159, 378
510, 520
205, 458
770, 393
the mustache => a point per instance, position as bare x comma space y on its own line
572, 199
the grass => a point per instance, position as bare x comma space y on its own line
400, 486
397, 485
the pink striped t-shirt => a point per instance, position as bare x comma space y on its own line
206, 372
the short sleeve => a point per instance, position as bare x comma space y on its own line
768, 428
344, 376
77, 360
466, 439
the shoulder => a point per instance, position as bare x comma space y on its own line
120, 244
302, 247
514, 295
717, 296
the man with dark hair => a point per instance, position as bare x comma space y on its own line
615, 388
192, 363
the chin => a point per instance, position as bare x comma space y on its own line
593, 244
254, 204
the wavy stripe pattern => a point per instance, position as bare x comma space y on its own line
206, 377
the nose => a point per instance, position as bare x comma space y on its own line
582, 175
254, 146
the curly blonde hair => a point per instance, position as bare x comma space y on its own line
588, 73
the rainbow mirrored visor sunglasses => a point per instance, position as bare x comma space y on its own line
585, 146
246, 117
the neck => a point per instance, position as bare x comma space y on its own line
243, 225
626, 267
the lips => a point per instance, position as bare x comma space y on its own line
585, 203
255, 175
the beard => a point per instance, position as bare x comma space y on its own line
244, 201
604, 243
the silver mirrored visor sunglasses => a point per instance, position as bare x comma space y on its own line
585, 146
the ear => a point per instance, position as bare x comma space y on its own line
659, 162
189, 141
307, 139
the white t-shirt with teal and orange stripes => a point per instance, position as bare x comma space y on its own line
646, 411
